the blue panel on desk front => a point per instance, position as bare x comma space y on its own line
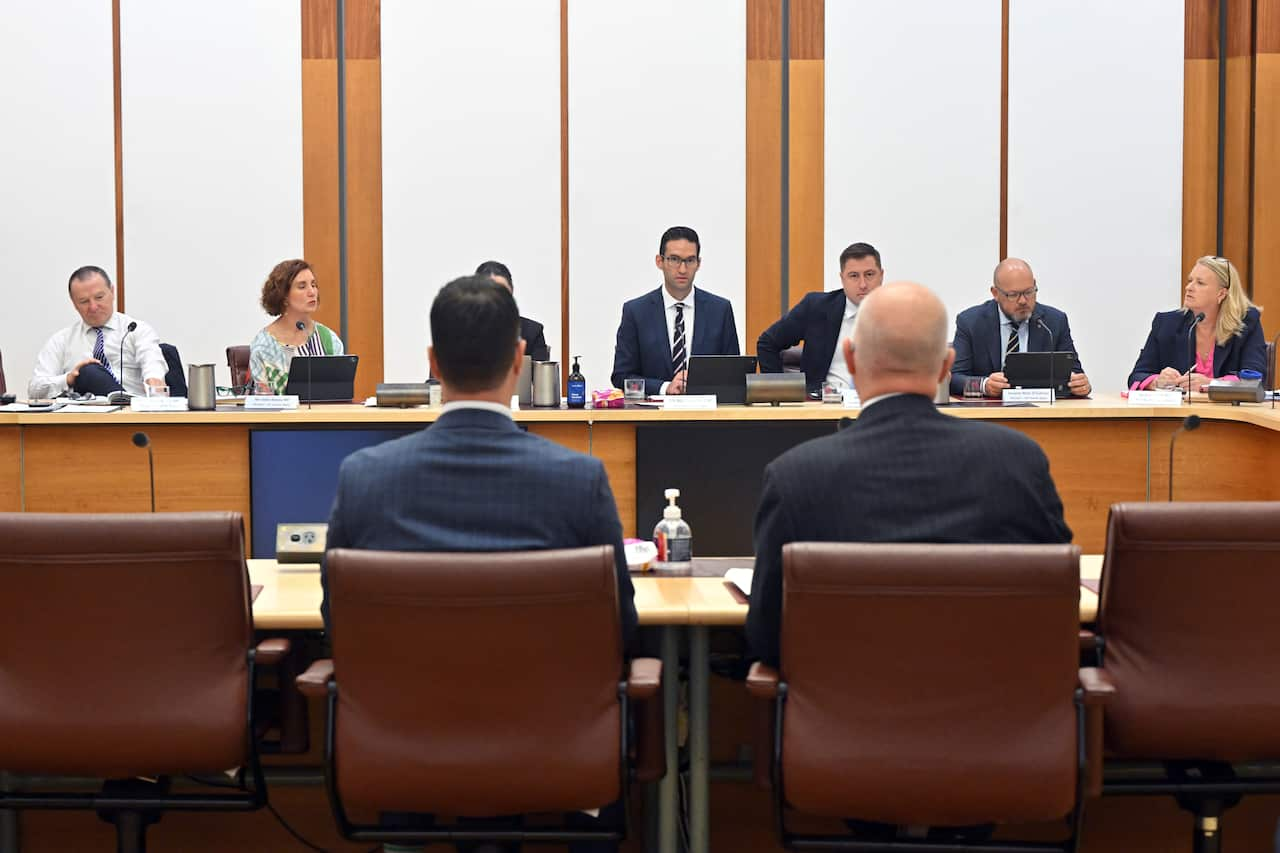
293, 475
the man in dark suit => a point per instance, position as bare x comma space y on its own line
1011, 321
474, 481
903, 471
658, 331
530, 330
823, 319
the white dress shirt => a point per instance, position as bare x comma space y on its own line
482, 405
838, 372
142, 358
669, 303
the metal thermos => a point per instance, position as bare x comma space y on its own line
201, 395
524, 384
546, 383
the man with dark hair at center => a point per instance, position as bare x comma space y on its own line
474, 481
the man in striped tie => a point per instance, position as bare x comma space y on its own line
1011, 321
104, 351
657, 333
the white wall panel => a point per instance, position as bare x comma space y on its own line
657, 137
470, 160
913, 140
57, 167
1095, 166
212, 125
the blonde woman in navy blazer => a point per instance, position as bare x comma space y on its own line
1229, 338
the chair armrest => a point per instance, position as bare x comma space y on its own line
271, 651
1098, 690
315, 681
645, 678
649, 745
1089, 641
762, 681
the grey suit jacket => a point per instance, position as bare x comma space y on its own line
902, 472
474, 481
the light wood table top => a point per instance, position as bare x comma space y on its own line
290, 597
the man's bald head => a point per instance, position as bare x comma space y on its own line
1015, 268
899, 341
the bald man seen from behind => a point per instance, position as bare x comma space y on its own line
903, 471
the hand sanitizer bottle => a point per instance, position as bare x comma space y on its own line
673, 537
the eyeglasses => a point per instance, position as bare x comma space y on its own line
1019, 295
677, 261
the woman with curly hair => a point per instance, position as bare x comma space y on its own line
291, 295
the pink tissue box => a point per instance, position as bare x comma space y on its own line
610, 399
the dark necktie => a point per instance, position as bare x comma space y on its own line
1012, 345
678, 355
100, 352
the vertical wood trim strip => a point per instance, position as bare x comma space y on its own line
564, 193
119, 145
784, 187
1004, 130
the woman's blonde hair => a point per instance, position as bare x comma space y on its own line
1233, 309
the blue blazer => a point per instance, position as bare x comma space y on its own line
644, 348
977, 341
474, 481
815, 320
1168, 346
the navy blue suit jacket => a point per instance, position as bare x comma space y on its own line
980, 353
815, 320
891, 476
1168, 346
644, 347
474, 481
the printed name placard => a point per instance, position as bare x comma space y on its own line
158, 404
1027, 395
849, 399
689, 402
1155, 398
274, 402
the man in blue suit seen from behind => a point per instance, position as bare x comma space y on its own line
474, 481
822, 320
1010, 321
660, 330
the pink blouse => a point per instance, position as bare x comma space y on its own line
1203, 367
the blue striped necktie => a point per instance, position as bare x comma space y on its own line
100, 352
678, 356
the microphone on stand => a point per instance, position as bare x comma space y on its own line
133, 324
302, 327
1191, 345
1052, 385
1190, 423
140, 439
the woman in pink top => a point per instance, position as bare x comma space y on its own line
1229, 338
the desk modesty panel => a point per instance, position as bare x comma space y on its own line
1100, 451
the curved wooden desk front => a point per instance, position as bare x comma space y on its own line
1101, 451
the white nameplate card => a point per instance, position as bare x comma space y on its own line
273, 402
1155, 398
1027, 395
689, 402
849, 399
158, 404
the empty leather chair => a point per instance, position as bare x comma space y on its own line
480, 684
174, 377
933, 685
126, 655
1190, 638
238, 362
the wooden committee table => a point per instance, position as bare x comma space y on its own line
290, 599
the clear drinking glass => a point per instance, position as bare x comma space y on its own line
157, 390
633, 388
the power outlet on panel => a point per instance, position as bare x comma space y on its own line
300, 543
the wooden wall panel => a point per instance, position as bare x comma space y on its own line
364, 173
1199, 134
97, 469
10, 469
809, 270
1237, 235
1266, 163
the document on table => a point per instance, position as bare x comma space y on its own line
741, 578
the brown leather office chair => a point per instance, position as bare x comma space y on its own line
480, 684
126, 651
791, 357
1190, 638
238, 363
931, 685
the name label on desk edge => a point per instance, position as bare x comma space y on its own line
1155, 398
274, 402
689, 402
1027, 395
158, 404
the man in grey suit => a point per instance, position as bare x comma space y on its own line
474, 481
902, 472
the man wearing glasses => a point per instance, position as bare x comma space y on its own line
1011, 321
658, 331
